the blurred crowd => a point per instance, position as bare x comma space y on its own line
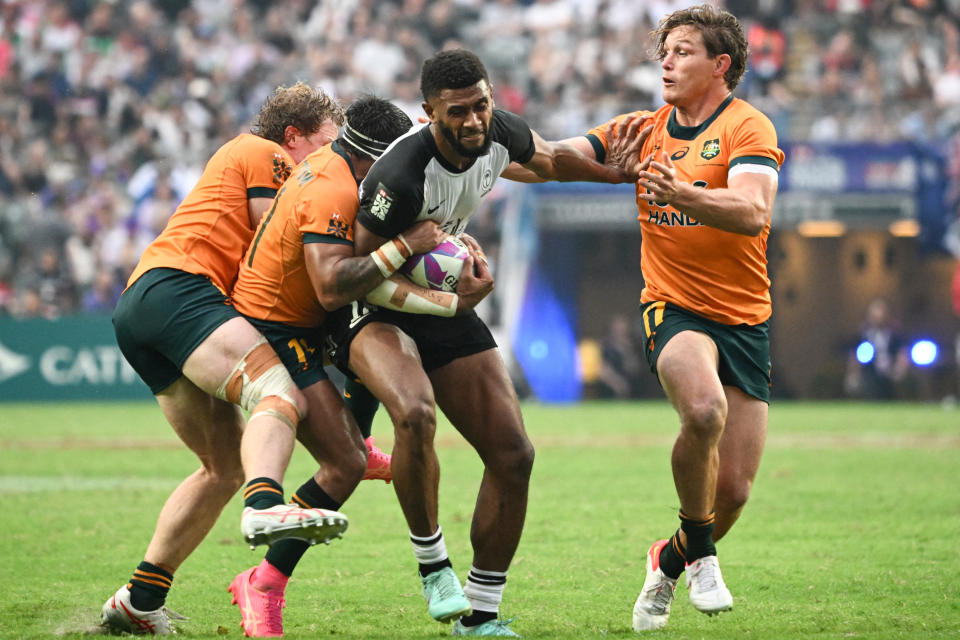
109, 109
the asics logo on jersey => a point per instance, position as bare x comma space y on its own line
680, 153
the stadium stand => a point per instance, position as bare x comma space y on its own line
109, 108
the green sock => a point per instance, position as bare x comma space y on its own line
673, 557
699, 536
362, 404
149, 586
262, 493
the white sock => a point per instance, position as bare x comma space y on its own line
429, 550
484, 589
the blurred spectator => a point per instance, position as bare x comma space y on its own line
620, 367
768, 50
879, 358
103, 295
98, 95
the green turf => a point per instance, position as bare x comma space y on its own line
849, 532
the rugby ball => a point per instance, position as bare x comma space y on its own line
438, 269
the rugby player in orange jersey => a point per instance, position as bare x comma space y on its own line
200, 358
705, 197
300, 264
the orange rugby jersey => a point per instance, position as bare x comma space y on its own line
317, 204
718, 274
210, 230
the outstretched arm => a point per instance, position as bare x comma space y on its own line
575, 159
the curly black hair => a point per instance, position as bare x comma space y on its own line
453, 69
377, 119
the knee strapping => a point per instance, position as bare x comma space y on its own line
261, 385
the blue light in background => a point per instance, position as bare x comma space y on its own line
545, 344
539, 349
865, 352
923, 353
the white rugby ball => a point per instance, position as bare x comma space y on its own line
438, 269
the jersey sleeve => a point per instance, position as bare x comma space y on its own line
391, 196
325, 213
754, 146
597, 137
265, 167
512, 132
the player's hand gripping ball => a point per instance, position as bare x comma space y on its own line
439, 269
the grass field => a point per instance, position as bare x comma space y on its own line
850, 533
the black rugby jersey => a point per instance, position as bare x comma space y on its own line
412, 181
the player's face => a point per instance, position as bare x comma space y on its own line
687, 70
463, 116
300, 146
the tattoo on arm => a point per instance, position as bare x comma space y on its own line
355, 277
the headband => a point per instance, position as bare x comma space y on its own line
362, 143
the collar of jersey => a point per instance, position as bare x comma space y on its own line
427, 133
681, 132
337, 149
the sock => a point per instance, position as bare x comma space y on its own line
149, 586
285, 554
266, 577
673, 557
362, 404
699, 536
484, 590
262, 493
431, 552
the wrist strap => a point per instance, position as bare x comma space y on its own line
391, 255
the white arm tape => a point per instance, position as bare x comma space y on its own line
391, 255
409, 298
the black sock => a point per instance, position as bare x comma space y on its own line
478, 617
699, 536
673, 557
149, 587
427, 569
285, 554
262, 493
362, 404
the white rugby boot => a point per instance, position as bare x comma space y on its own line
266, 526
652, 609
708, 593
118, 615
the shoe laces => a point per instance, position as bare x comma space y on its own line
502, 627
706, 574
170, 614
445, 583
273, 610
660, 595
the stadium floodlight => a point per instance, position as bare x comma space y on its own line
865, 352
923, 353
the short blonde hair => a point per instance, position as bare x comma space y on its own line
300, 106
